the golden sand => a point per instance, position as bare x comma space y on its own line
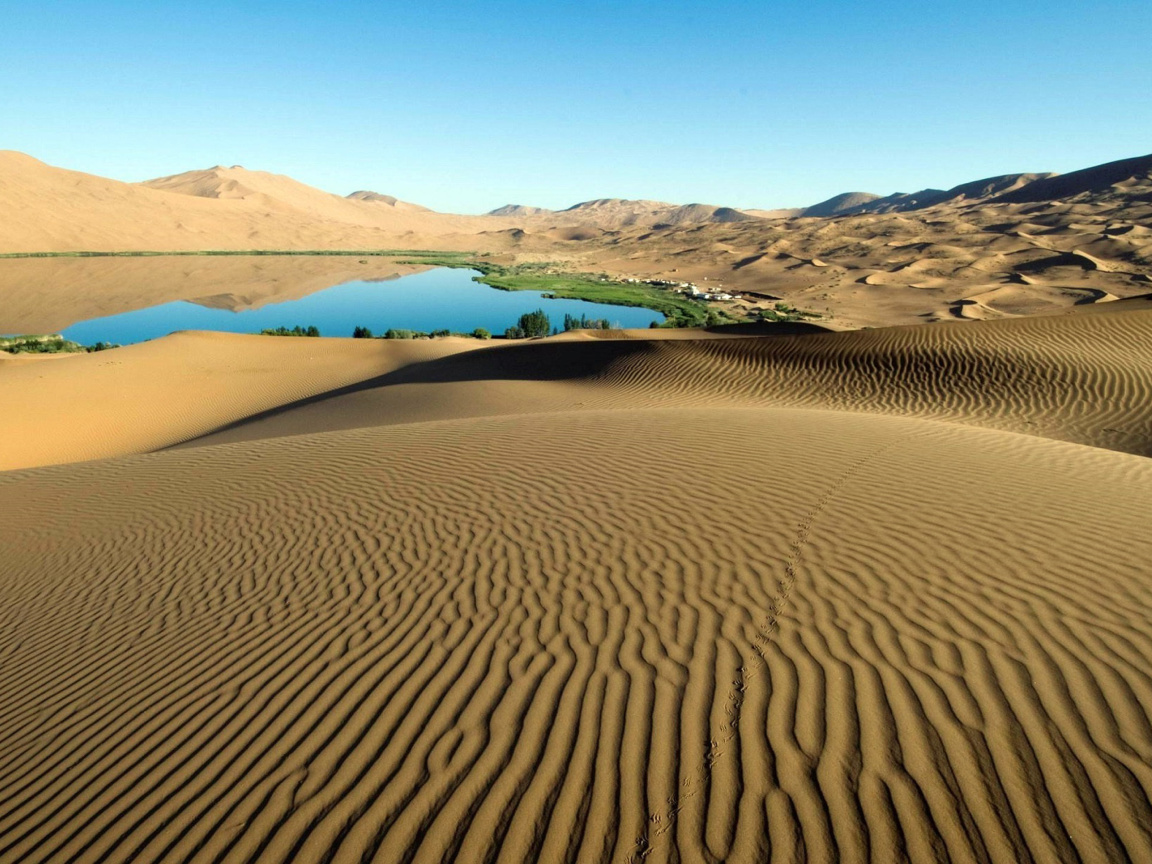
871, 596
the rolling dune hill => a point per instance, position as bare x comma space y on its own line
613, 214
764, 593
1018, 244
386, 200
1119, 177
275, 192
153, 394
56, 210
1082, 378
838, 204
518, 210
988, 257
850, 203
809, 597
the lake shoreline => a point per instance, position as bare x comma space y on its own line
130, 299
678, 311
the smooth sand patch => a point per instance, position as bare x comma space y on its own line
140, 397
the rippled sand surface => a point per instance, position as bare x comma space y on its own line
872, 596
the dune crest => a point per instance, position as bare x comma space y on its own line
1082, 377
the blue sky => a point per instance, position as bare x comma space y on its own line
466, 106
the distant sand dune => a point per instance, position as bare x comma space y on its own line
920, 251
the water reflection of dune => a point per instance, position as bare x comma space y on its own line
46, 295
234, 302
391, 277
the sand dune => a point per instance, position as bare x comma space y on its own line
70, 211
844, 645
1077, 378
277, 192
924, 260
1099, 178
838, 204
1084, 231
975, 235
387, 200
1081, 378
610, 214
869, 596
154, 394
805, 597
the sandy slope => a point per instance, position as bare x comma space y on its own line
275, 193
866, 596
787, 598
876, 270
140, 397
548, 638
59, 210
1084, 378
1052, 243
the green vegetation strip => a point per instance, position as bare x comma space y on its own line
677, 309
784, 312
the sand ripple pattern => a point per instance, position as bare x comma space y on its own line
373, 645
1080, 378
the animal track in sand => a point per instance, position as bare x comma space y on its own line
664, 822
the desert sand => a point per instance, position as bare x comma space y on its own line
155, 394
221, 208
1001, 247
792, 593
866, 596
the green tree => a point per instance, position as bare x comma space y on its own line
571, 322
535, 324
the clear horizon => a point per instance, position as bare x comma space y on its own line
463, 109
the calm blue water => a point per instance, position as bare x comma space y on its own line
441, 299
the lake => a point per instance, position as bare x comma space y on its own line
61, 296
